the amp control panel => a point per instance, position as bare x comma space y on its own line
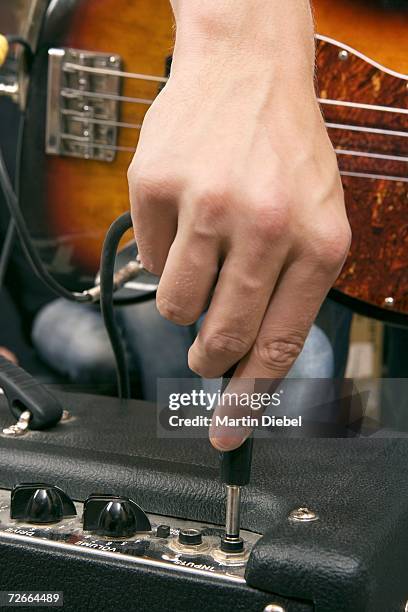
107, 524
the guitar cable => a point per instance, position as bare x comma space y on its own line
91, 295
107, 284
6, 250
109, 281
5, 42
27, 244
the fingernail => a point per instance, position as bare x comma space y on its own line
226, 444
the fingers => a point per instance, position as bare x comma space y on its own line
242, 287
224, 437
293, 308
154, 216
189, 275
288, 319
235, 314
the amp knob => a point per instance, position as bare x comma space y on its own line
40, 503
114, 516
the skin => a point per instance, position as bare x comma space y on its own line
4, 352
238, 203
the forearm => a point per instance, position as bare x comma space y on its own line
267, 32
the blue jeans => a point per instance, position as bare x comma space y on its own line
71, 339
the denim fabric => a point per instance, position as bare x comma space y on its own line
335, 320
158, 348
71, 339
315, 362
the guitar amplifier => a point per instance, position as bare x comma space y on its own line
324, 521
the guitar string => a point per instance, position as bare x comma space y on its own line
69, 92
369, 130
363, 105
397, 158
76, 116
83, 140
124, 149
369, 175
96, 121
383, 156
72, 91
69, 66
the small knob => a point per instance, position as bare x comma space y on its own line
190, 537
163, 531
114, 516
40, 503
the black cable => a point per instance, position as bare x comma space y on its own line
115, 233
11, 230
12, 201
26, 243
6, 250
112, 239
107, 288
19, 40
34, 259
109, 249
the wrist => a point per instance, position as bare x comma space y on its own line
267, 35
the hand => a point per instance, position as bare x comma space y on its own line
4, 352
235, 188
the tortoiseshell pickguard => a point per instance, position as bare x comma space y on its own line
376, 268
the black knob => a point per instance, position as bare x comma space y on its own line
190, 537
114, 516
40, 503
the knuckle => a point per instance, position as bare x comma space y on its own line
174, 312
330, 246
212, 193
205, 223
131, 170
211, 203
270, 221
345, 236
149, 185
279, 353
221, 344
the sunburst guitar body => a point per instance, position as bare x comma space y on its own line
101, 64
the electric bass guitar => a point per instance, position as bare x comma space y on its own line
100, 65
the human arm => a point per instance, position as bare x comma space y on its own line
235, 187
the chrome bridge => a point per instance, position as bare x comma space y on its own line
82, 104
